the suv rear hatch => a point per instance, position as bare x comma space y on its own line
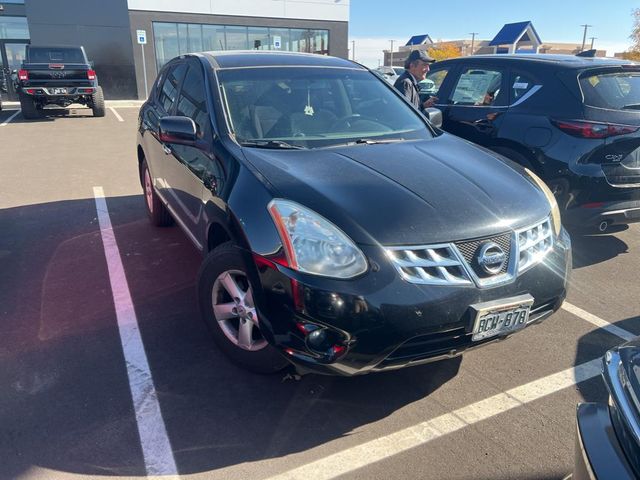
612, 104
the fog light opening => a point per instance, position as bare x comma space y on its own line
323, 343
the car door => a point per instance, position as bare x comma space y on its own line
162, 105
477, 103
192, 169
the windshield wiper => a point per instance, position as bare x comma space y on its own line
276, 144
632, 106
371, 141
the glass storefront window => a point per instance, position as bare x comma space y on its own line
14, 28
259, 38
166, 41
212, 37
236, 38
173, 39
195, 37
281, 35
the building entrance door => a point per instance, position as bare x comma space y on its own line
12, 54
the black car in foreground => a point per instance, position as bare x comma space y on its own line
608, 439
341, 232
574, 121
57, 75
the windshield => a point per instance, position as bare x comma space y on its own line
55, 55
312, 107
613, 91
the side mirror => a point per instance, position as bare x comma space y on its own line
434, 115
180, 130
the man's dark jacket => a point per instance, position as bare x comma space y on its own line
408, 86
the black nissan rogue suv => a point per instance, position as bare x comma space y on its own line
340, 230
574, 121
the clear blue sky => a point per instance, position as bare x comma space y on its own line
554, 20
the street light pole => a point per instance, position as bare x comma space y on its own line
473, 40
391, 54
353, 50
592, 39
584, 36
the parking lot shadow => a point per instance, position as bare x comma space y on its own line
50, 115
593, 249
65, 403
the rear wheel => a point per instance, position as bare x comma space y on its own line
226, 299
97, 102
28, 107
157, 212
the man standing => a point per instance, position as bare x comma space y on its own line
416, 68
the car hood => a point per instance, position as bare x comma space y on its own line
414, 192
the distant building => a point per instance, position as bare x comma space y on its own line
520, 37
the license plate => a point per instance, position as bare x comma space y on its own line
501, 317
59, 91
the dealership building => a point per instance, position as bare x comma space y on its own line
128, 38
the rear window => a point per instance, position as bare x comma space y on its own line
613, 91
55, 55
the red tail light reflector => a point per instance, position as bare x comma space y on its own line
23, 75
91, 74
31, 91
585, 129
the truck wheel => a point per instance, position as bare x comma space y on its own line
158, 213
97, 102
28, 107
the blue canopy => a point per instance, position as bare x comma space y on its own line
511, 32
419, 39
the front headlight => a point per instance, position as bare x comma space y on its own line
314, 245
555, 211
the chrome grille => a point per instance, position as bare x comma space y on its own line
471, 249
457, 263
533, 244
429, 264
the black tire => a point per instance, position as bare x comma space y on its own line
28, 107
157, 212
228, 259
97, 103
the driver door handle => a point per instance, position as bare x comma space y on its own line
167, 149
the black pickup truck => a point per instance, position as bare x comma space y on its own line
57, 75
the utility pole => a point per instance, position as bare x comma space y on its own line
353, 50
473, 40
391, 54
592, 39
584, 36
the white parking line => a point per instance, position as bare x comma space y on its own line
6, 122
382, 448
120, 119
156, 448
598, 322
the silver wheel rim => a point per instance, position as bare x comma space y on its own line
235, 312
148, 189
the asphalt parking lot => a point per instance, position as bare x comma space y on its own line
69, 406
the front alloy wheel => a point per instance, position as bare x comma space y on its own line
226, 298
233, 308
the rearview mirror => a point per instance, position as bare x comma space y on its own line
434, 116
180, 130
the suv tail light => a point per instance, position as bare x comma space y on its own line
91, 74
585, 129
23, 75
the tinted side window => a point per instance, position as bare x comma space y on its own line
613, 91
169, 89
437, 77
519, 85
192, 102
479, 87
